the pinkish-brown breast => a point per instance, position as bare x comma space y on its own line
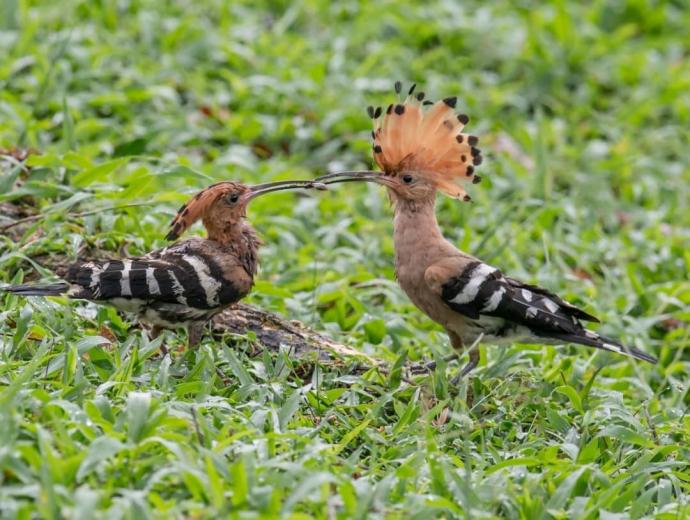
419, 244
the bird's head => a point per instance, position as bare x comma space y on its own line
223, 205
420, 147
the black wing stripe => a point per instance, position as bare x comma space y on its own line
138, 284
81, 274
166, 286
109, 282
188, 279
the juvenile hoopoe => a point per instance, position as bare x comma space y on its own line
421, 151
187, 283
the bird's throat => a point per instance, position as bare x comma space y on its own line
415, 225
222, 232
417, 239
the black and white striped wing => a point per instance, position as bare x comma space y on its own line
172, 276
503, 307
481, 290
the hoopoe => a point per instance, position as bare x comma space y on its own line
188, 282
424, 150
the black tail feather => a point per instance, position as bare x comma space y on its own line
616, 346
592, 339
47, 289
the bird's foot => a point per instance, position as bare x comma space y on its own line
226, 381
160, 353
429, 367
471, 365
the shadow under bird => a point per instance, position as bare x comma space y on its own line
422, 151
186, 283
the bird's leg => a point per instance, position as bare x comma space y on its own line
195, 332
154, 332
471, 364
456, 341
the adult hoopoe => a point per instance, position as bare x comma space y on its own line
187, 283
421, 151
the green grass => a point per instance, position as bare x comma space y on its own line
583, 113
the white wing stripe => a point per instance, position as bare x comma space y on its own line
152, 283
95, 275
210, 285
95, 279
125, 285
495, 300
177, 288
477, 278
551, 305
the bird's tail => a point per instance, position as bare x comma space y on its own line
592, 339
46, 289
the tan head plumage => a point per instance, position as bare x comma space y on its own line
427, 138
223, 205
201, 205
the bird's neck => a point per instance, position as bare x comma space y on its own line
249, 249
419, 244
415, 225
240, 239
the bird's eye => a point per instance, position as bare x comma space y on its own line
233, 197
407, 179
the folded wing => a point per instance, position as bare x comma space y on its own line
176, 276
480, 290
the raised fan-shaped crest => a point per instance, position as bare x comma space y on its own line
427, 138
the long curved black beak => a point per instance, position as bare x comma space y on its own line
353, 176
267, 187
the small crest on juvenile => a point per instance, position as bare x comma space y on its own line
195, 208
426, 137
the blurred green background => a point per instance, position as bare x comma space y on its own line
583, 112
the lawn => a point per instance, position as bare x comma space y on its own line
130, 107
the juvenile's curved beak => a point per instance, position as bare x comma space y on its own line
267, 187
355, 176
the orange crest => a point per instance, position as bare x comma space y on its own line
427, 138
